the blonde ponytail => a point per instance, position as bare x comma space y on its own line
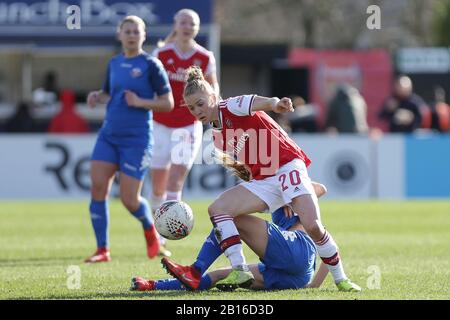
170, 38
238, 168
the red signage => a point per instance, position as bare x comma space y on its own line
369, 71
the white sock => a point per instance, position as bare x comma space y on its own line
328, 252
229, 240
174, 195
162, 240
157, 201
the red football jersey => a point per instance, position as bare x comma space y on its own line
176, 63
254, 138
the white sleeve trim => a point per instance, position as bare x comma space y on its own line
156, 52
241, 105
211, 67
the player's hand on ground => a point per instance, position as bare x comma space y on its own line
288, 212
283, 105
92, 98
132, 99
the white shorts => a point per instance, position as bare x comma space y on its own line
290, 181
175, 145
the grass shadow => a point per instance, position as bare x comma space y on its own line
149, 295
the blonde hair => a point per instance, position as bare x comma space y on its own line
237, 168
133, 19
187, 12
171, 36
195, 81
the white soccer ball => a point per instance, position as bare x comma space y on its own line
174, 220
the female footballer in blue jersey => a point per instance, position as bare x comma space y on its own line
286, 252
136, 84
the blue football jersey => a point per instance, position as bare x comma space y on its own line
142, 74
279, 218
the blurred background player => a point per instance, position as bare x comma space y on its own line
347, 111
22, 120
251, 137
179, 133
404, 110
67, 120
46, 96
440, 111
136, 84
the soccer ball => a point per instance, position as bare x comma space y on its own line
174, 220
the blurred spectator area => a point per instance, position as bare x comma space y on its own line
34, 44
369, 71
23, 74
268, 69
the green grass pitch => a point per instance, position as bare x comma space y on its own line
393, 250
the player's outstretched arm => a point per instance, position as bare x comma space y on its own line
272, 104
319, 277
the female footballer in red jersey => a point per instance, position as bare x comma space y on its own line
178, 133
277, 167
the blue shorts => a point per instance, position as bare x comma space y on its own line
131, 153
289, 261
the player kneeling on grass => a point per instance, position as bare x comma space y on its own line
287, 256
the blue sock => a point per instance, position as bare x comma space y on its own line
209, 252
175, 284
169, 284
100, 221
143, 214
205, 283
